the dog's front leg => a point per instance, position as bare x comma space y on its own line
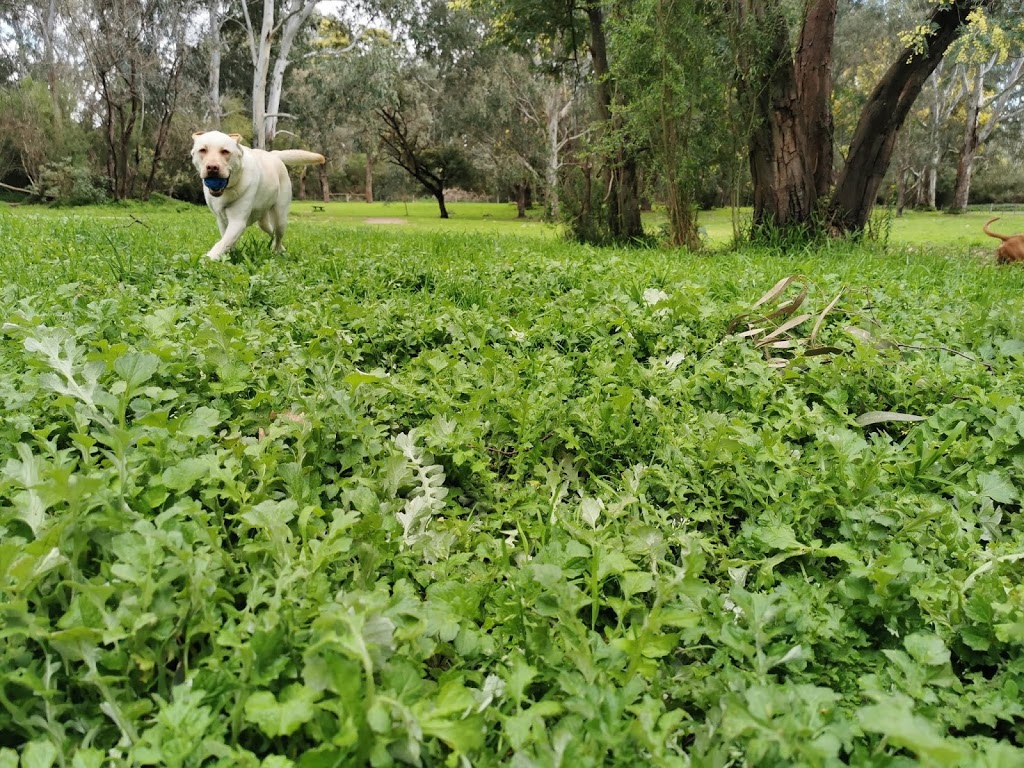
229, 236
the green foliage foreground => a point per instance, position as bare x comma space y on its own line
460, 499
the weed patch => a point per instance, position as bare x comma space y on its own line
431, 499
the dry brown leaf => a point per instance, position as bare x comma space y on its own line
821, 317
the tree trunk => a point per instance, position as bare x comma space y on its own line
520, 200
553, 162
298, 12
439, 196
51, 67
325, 187
170, 107
261, 68
620, 172
901, 193
969, 148
791, 140
814, 89
266, 103
214, 106
883, 115
368, 186
302, 182
975, 134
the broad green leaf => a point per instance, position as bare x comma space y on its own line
200, 423
284, 716
38, 754
882, 417
356, 378
995, 486
927, 648
779, 536
136, 368
894, 720
188, 472
88, 758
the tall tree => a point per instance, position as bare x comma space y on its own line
787, 91
438, 166
991, 63
273, 41
673, 70
215, 20
575, 34
873, 141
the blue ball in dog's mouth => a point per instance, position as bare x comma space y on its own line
215, 184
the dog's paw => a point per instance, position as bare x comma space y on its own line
213, 256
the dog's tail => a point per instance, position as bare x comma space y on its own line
298, 157
990, 233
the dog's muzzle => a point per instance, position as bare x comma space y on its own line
215, 185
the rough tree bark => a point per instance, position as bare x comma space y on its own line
325, 187
789, 95
620, 172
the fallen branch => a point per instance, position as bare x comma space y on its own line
16, 189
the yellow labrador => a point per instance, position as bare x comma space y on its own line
244, 186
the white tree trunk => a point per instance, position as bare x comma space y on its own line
558, 103
214, 107
299, 12
267, 88
995, 109
49, 31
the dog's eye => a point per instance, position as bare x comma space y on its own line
202, 150
225, 152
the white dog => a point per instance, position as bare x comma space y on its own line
244, 186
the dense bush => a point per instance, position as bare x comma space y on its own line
68, 183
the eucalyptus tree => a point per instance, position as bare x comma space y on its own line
518, 119
134, 48
438, 160
424, 129
574, 35
41, 81
872, 144
787, 86
341, 82
270, 46
673, 66
990, 61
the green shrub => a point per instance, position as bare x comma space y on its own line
65, 183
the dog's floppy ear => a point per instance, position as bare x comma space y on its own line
197, 134
235, 137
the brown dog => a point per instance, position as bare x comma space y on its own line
1012, 248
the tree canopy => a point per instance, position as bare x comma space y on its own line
809, 111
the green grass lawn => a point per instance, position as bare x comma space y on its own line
922, 229
421, 495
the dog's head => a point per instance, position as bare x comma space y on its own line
216, 156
